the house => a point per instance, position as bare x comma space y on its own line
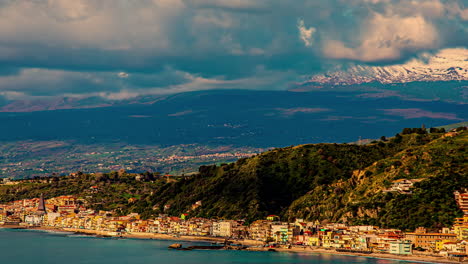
196, 205
403, 185
33, 219
280, 232
462, 201
5, 180
421, 239
222, 229
450, 134
400, 247
460, 227
260, 230
273, 218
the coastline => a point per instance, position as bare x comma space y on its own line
300, 250
412, 258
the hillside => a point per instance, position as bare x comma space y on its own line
336, 182
440, 165
333, 182
123, 134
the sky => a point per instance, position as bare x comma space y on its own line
120, 49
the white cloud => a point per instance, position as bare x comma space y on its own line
103, 24
306, 34
123, 75
386, 38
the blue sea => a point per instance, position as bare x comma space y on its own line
39, 247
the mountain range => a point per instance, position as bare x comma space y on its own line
233, 117
447, 65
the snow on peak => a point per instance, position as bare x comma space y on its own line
446, 65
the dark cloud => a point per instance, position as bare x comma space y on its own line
172, 44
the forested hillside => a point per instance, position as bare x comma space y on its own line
327, 182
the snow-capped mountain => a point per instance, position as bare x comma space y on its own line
447, 65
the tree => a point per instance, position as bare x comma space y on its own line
406, 131
398, 138
436, 130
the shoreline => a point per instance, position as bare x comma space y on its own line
300, 250
386, 256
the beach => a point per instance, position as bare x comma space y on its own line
414, 258
253, 244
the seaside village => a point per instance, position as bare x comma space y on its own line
70, 213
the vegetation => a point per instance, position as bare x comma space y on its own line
335, 182
440, 164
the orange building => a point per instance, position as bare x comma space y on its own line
462, 201
428, 240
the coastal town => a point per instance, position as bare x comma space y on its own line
70, 213
63, 157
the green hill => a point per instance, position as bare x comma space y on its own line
440, 165
334, 182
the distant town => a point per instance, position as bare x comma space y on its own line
70, 213
27, 159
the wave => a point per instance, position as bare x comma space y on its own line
80, 235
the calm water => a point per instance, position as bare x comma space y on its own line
24, 247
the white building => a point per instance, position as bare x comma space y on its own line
400, 247
34, 219
51, 217
222, 229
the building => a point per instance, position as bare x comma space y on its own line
260, 230
41, 209
461, 227
33, 219
403, 185
421, 239
37, 218
273, 218
280, 232
462, 201
222, 229
400, 247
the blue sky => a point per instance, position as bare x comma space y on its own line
122, 48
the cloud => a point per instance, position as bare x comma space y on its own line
230, 5
182, 113
387, 38
306, 34
124, 48
411, 113
123, 75
288, 112
36, 82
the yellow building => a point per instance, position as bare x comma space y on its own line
314, 241
439, 244
461, 227
327, 239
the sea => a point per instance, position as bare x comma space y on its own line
41, 247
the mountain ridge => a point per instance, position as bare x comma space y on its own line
447, 65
